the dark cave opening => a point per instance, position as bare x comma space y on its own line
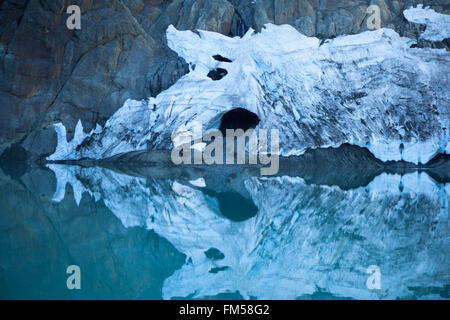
217, 74
238, 118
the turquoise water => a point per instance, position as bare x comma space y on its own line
222, 233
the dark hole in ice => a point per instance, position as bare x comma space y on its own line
218, 269
218, 57
217, 74
238, 118
214, 254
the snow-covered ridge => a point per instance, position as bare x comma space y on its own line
304, 236
369, 89
437, 24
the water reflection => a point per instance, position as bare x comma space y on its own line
40, 238
219, 232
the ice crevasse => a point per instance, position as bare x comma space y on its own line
370, 89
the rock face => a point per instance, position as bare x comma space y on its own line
50, 74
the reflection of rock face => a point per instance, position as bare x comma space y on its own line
305, 238
40, 239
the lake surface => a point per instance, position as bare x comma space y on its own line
224, 232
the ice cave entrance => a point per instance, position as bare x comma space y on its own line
238, 118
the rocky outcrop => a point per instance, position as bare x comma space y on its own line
50, 74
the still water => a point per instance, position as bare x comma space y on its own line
166, 232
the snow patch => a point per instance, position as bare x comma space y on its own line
437, 24
200, 182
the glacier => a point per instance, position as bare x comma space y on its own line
373, 90
306, 238
437, 24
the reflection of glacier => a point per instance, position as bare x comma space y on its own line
304, 238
